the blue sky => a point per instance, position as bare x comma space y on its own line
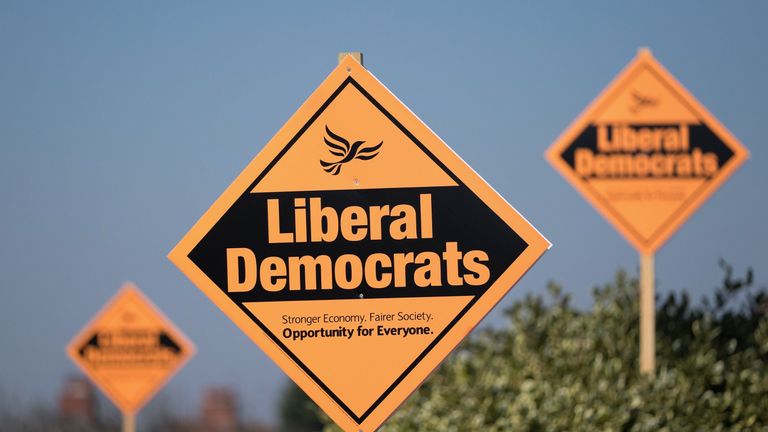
121, 122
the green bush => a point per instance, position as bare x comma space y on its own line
297, 412
556, 368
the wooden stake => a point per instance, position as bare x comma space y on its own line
357, 55
129, 423
647, 315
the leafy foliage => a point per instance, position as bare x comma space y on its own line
297, 412
556, 368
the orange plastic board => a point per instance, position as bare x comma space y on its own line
357, 249
646, 154
130, 349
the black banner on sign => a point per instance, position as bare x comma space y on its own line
700, 141
460, 223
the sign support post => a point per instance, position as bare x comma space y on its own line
647, 314
357, 55
129, 423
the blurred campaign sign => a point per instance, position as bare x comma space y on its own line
646, 153
130, 349
357, 249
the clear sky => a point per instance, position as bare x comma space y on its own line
121, 122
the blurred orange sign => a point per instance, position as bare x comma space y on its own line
357, 249
646, 153
130, 350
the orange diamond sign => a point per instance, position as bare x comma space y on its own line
130, 350
357, 249
646, 153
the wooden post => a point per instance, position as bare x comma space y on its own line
129, 423
356, 54
647, 315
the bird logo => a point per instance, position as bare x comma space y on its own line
339, 146
641, 101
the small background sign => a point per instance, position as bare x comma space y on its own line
646, 153
130, 349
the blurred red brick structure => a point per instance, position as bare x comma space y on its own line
220, 410
77, 400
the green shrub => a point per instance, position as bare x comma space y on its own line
556, 368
